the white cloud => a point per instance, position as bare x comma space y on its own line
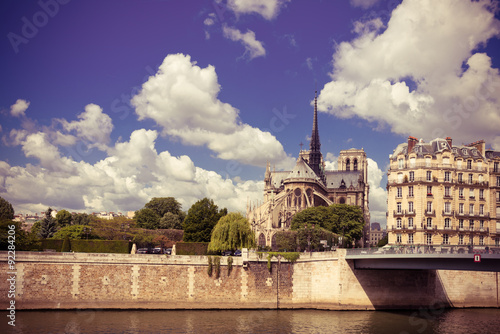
131, 174
411, 78
363, 3
94, 127
252, 46
182, 98
378, 195
210, 20
268, 9
18, 108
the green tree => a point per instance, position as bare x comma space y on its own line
66, 247
162, 205
200, 220
48, 225
382, 242
147, 218
286, 241
170, 221
349, 223
230, 233
319, 216
80, 219
6, 210
63, 218
72, 232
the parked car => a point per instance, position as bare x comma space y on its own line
142, 251
237, 252
156, 250
227, 253
167, 251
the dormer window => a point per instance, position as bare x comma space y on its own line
464, 151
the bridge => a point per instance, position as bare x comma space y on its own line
424, 257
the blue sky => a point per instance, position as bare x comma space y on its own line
106, 104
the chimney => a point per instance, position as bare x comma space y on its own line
448, 139
480, 145
411, 143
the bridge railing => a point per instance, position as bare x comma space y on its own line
425, 249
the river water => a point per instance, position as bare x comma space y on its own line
255, 321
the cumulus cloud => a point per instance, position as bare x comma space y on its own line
93, 126
421, 75
253, 47
132, 173
268, 9
18, 108
182, 99
363, 3
378, 195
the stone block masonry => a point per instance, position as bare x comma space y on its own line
317, 280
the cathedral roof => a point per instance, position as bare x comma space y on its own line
302, 170
334, 178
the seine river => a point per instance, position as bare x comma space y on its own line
256, 321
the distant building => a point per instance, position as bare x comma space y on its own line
309, 185
376, 234
444, 194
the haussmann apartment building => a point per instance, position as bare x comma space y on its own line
440, 194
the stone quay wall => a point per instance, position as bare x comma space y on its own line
316, 280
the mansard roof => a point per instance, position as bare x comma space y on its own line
438, 145
302, 170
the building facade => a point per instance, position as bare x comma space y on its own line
441, 194
309, 185
376, 234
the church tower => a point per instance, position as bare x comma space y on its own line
315, 157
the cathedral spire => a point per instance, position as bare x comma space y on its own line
315, 145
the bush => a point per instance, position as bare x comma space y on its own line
191, 248
88, 246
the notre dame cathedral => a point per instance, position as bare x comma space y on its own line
307, 185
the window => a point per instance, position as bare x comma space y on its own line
398, 238
410, 207
412, 162
355, 164
461, 192
429, 207
348, 164
498, 196
445, 239
460, 223
496, 167
447, 207
446, 161
412, 176
471, 209
427, 162
398, 207
459, 164
481, 240
429, 222
471, 193
471, 240
481, 209
447, 176
481, 193
471, 224
410, 238
401, 164
429, 175
461, 208
447, 223
399, 193
410, 191
480, 178
460, 239
400, 178
447, 192
481, 224
429, 190
479, 165
410, 222
498, 181
470, 178
497, 242
398, 223
469, 164
460, 177
429, 239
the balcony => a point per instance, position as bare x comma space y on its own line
430, 213
449, 213
398, 213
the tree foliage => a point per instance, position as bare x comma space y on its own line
147, 218
231, 232
72, 232
63, 218
162, 205
342, 219
382, 242
6, 210
170, 221
200, 220
80, 219
48, 225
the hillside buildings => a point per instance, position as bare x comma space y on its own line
444, 194
308, 185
